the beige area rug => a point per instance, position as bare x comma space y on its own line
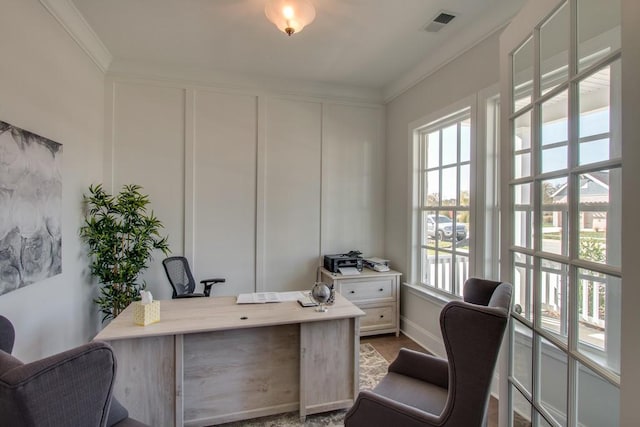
372, 368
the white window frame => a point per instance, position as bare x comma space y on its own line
483, 208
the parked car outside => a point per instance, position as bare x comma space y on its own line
444, 228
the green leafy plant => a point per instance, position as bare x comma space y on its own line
121, 235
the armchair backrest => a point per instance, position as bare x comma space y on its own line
7, 335
472, 331
72, 388
179, 275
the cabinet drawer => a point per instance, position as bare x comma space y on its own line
361, 290
381, 317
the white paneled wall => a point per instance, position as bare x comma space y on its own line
252, 187
224, 196
353, 179
148, 149
291, 194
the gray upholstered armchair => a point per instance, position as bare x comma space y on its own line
423, 390
72, 388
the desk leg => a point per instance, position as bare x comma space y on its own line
146, 364
179, 358
356, 358
328, 365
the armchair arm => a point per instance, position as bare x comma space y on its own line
421, 366
71, 388
371, 410
208, 283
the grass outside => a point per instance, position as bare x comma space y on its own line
555, 235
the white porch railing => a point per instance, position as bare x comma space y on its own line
592, 302
440, 272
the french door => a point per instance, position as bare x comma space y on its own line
561, 192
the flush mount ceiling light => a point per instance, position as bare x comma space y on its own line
290, 16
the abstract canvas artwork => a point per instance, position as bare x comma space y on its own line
30, 208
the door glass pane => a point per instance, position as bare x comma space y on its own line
598, 401
554, 119
522, 355
553, 297
523, 228
599, 306
522, 132
522, 146
600, 216
522, 194
521, 414
522, 286
523, 216
599, 124
554, 215
553, 380
554, 50
598, 30
542, 422
554, 133
522, 165
523, 75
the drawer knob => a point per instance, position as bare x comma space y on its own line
381, 289
381, 316
352, 292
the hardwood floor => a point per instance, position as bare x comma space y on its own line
389, 346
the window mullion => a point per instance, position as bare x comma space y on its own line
574, 229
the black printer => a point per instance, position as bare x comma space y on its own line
351, 259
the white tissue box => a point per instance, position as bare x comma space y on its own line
146, 314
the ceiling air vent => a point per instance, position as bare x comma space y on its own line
442, 19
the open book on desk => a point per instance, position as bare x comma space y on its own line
265, 297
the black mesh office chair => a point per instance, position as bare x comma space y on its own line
182, 281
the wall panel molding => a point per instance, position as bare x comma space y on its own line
189, 174
261, 140
257, 171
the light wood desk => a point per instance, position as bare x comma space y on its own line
210, 361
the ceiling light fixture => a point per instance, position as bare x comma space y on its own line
290, 16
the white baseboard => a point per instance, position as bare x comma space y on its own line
426, 339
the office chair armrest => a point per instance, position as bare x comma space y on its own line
196, 295
421, 366
371, 409
69, 388
216, 280
208, 283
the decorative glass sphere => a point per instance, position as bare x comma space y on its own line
321, 293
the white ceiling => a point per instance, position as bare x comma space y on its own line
377, 44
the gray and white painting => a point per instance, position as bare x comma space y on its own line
30, 208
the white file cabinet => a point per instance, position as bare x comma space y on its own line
375, 293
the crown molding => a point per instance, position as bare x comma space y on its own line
74, 23
455, 47
180, 76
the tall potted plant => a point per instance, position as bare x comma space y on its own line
121, 235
